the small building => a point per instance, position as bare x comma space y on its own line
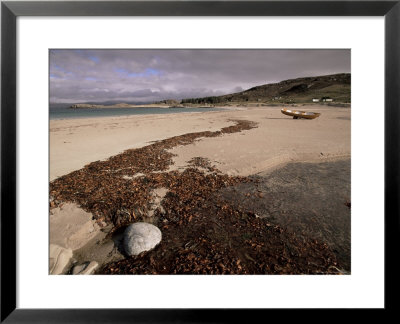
315, 100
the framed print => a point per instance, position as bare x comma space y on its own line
243, 155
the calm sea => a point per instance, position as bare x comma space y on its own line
64, 112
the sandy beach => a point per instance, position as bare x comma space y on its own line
278, 139
271, 142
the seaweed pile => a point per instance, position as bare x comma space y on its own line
212, 237
110, 189
202, 233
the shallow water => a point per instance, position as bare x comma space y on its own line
64, 112
307, 198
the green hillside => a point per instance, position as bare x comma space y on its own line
302, 90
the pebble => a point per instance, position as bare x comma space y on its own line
85, 268
79, 268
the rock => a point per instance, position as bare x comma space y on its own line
140, 237
90, 268
79, 268
85, 269
59, 259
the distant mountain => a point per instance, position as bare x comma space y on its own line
108, 102
302, 90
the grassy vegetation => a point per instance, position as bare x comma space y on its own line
301, 90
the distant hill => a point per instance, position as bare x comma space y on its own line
302, 90
171, 102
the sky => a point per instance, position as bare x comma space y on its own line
80, 75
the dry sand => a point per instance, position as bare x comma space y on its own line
77, 142
277, 140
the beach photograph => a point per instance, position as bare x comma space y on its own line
200, 161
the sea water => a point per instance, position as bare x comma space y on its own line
64, 112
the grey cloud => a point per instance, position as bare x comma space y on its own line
150, 75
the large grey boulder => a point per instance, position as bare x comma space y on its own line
140, 237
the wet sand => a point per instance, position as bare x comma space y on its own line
311, 199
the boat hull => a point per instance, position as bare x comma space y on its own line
297, 114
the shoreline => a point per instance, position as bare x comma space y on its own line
206, 110
265, 143
76, 142
221, 105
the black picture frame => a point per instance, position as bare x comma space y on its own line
10, 10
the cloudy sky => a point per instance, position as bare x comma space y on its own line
152, 75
